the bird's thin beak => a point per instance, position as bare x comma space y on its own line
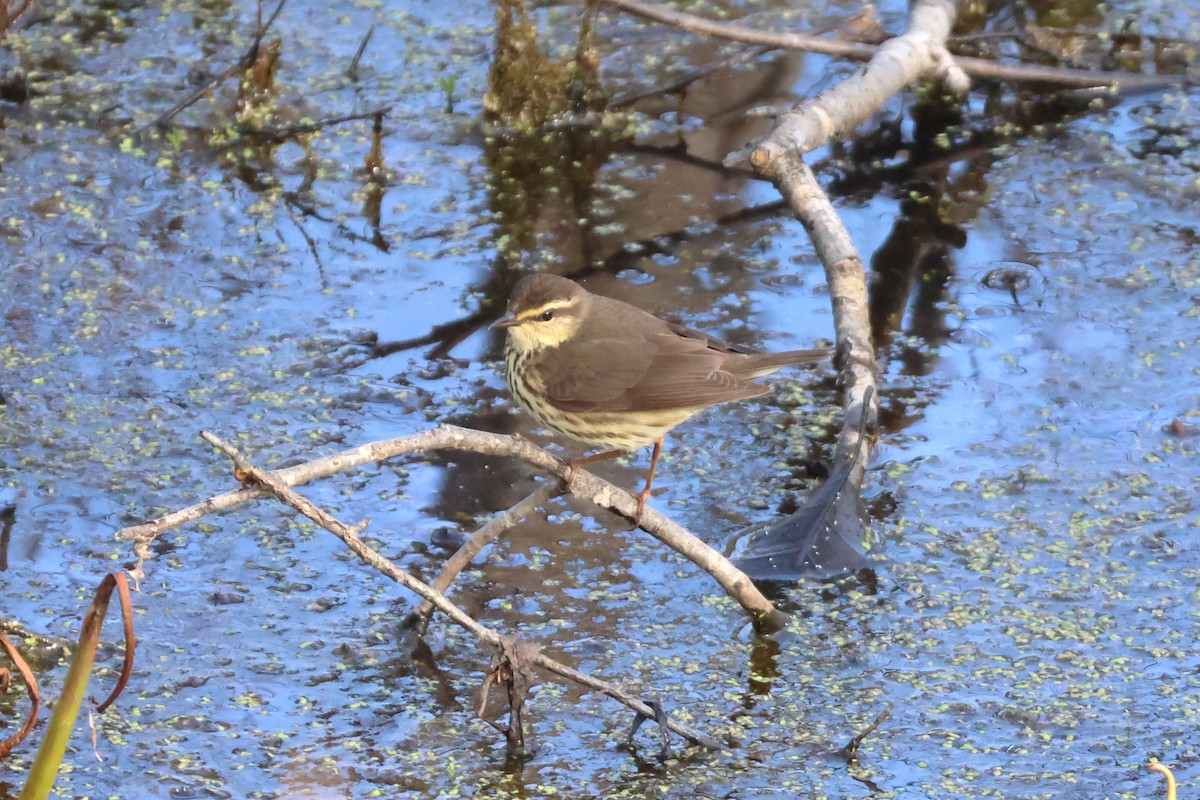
507, 321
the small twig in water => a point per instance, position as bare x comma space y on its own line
850, 750
352, 70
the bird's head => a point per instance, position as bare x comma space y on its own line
544, 310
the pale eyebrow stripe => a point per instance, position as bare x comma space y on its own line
533, 312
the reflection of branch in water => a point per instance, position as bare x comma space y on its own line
420, 655
376, 185
631, 252
285, 132
679, 153
449, 335
8, 517
686, 80
816, 540
312, 245
308, 210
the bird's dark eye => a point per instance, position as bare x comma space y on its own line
548, 315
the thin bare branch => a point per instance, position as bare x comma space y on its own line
690, 23
278, 485
684, 81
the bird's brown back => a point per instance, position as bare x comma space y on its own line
623, 359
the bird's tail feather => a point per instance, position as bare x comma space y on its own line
758, 364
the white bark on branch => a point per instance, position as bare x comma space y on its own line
846, 276
917, 54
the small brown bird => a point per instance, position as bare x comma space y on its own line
608, 374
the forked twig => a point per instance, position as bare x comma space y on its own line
275, 483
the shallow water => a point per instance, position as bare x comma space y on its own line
1034, 627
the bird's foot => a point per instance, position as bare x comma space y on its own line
641, 498
573, 468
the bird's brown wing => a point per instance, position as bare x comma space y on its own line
710, 341
745, 362
649, 372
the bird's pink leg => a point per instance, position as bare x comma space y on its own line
645, 493
578, 463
